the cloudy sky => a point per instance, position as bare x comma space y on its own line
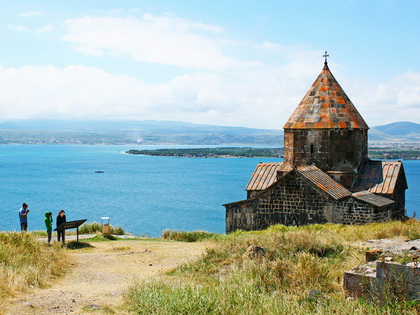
233, 63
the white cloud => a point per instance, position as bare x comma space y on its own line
396, 100
29, 14
261, 96
271, 47
83, 92
18, 27
404, 91
75, 91
44, 29
158, 39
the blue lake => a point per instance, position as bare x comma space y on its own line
142, 194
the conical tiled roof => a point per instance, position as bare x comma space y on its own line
326, 106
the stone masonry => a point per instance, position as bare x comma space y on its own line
326, 175
294, 201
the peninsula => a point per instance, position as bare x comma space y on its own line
238, 152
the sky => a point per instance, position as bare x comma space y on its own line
232, 63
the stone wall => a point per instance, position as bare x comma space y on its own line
325, 148
353, 211
389, 279
241, 216
294, 201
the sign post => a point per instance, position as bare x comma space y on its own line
71, 225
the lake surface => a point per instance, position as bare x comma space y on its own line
144, 195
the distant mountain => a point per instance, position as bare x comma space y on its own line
398, 131
167, 132
400, 128
124, 132
126, 125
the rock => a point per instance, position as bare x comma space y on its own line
314, 294
28, 304
95, 307
254, 252
350, 298
374, 254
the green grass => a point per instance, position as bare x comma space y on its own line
101, 238
185, 236
298, 260
26, 262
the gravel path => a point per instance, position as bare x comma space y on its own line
100, 275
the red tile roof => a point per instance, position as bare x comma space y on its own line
379, 177
264, 175
324, 182
372, 199
326, 106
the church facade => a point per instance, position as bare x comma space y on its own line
326, 175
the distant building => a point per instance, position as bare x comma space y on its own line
326, 175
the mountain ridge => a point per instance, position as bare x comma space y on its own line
166, 132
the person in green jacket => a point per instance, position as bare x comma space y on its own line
48, 224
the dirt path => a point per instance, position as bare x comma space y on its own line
100, 275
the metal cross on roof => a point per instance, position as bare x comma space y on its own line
326, 56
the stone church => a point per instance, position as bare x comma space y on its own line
326, 175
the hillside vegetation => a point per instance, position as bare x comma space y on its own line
300, 273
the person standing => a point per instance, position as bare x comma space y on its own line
61, 218
48, 224
23, 217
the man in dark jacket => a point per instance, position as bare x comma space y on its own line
61, 218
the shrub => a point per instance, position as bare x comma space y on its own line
92, 228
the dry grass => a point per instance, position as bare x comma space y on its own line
26, 262
297, 260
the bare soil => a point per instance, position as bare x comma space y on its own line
99, 276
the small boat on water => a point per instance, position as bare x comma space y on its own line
99, 171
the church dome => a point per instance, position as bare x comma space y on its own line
326, 106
